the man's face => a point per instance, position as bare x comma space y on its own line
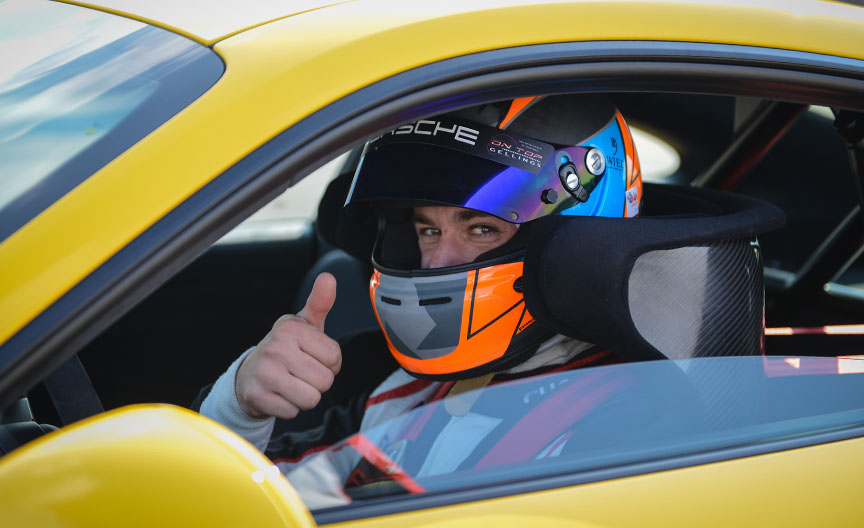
450, 236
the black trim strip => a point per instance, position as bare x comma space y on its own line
390, 300
167, 246
435, 301
519, 323
473, 297
487, 325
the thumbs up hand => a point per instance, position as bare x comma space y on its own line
295, 362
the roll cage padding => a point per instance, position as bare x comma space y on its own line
683, 280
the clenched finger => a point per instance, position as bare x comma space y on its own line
310, 370
324, 349
270, 403
299, 393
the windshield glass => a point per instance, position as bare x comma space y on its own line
77, 88
571, 426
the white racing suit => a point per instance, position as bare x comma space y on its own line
449, 439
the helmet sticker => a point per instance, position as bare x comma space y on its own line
475, 139
632, 202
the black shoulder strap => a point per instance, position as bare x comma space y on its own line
72, 392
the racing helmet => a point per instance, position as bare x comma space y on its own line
519, 161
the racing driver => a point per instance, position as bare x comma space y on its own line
455, 195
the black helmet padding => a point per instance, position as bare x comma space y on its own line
684, 280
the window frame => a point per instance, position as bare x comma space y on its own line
187, 231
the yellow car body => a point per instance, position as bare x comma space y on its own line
326, 48
286, 63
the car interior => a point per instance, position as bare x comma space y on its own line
800, 158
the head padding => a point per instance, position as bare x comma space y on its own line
684, 280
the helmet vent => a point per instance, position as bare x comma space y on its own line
390, 300
436, 300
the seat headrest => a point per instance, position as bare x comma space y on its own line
351, 231
683, 280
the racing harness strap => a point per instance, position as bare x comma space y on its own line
72, 392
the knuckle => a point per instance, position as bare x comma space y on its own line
309, 399
252, 392
282, 334
277, 352
283, 319
327, 380
332, 354
291, 411
270, 352
252, 399
267, 377
337, 366
314, 399
286, 326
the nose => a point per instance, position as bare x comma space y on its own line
449, 251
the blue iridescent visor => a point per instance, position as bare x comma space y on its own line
452, 162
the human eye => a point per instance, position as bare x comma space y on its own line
427, 232
483, 230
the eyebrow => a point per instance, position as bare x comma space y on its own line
467, 214
420, 219
463, 216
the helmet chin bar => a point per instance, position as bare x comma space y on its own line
456, 324
683, 281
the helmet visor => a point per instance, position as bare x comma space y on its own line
468, 165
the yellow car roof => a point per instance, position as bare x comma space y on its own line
208, 21
279, 72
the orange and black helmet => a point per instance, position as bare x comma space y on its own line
519, 161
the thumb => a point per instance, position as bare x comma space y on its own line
320, 301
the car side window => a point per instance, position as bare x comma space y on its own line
807, 174
288, 215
